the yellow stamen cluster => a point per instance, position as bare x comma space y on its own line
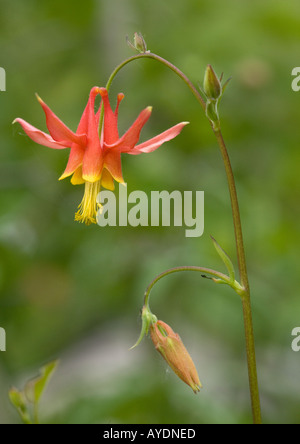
87, 210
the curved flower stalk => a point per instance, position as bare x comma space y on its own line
165, 340
168, 343
209, 101
96, 161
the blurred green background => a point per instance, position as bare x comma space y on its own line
75, 292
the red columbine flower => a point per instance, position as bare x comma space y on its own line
170, 346
96, 161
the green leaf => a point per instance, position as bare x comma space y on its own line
36, 387
18, 400
226, 259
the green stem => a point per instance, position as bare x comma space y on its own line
149, 55
251, 359
248, 324
247, 312
149, 318
235, 212
214, 273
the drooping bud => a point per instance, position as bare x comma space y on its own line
212, 85
170, 346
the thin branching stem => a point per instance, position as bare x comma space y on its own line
247, 311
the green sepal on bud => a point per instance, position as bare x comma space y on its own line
148, 319
212, 113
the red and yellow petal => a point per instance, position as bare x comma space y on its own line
131, 137
110, 129
119, 100
107, 180
58, 130
74, 162
92, 168
77, 177
92, 163
40, 137
154, 143
112, 162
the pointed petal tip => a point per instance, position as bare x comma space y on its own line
64, 176
197, 389
120, 180
19, 120
38, 98
154, 143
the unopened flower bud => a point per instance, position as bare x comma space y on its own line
139, 42
212, 85
170, 346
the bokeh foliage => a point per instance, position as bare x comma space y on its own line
74, 292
